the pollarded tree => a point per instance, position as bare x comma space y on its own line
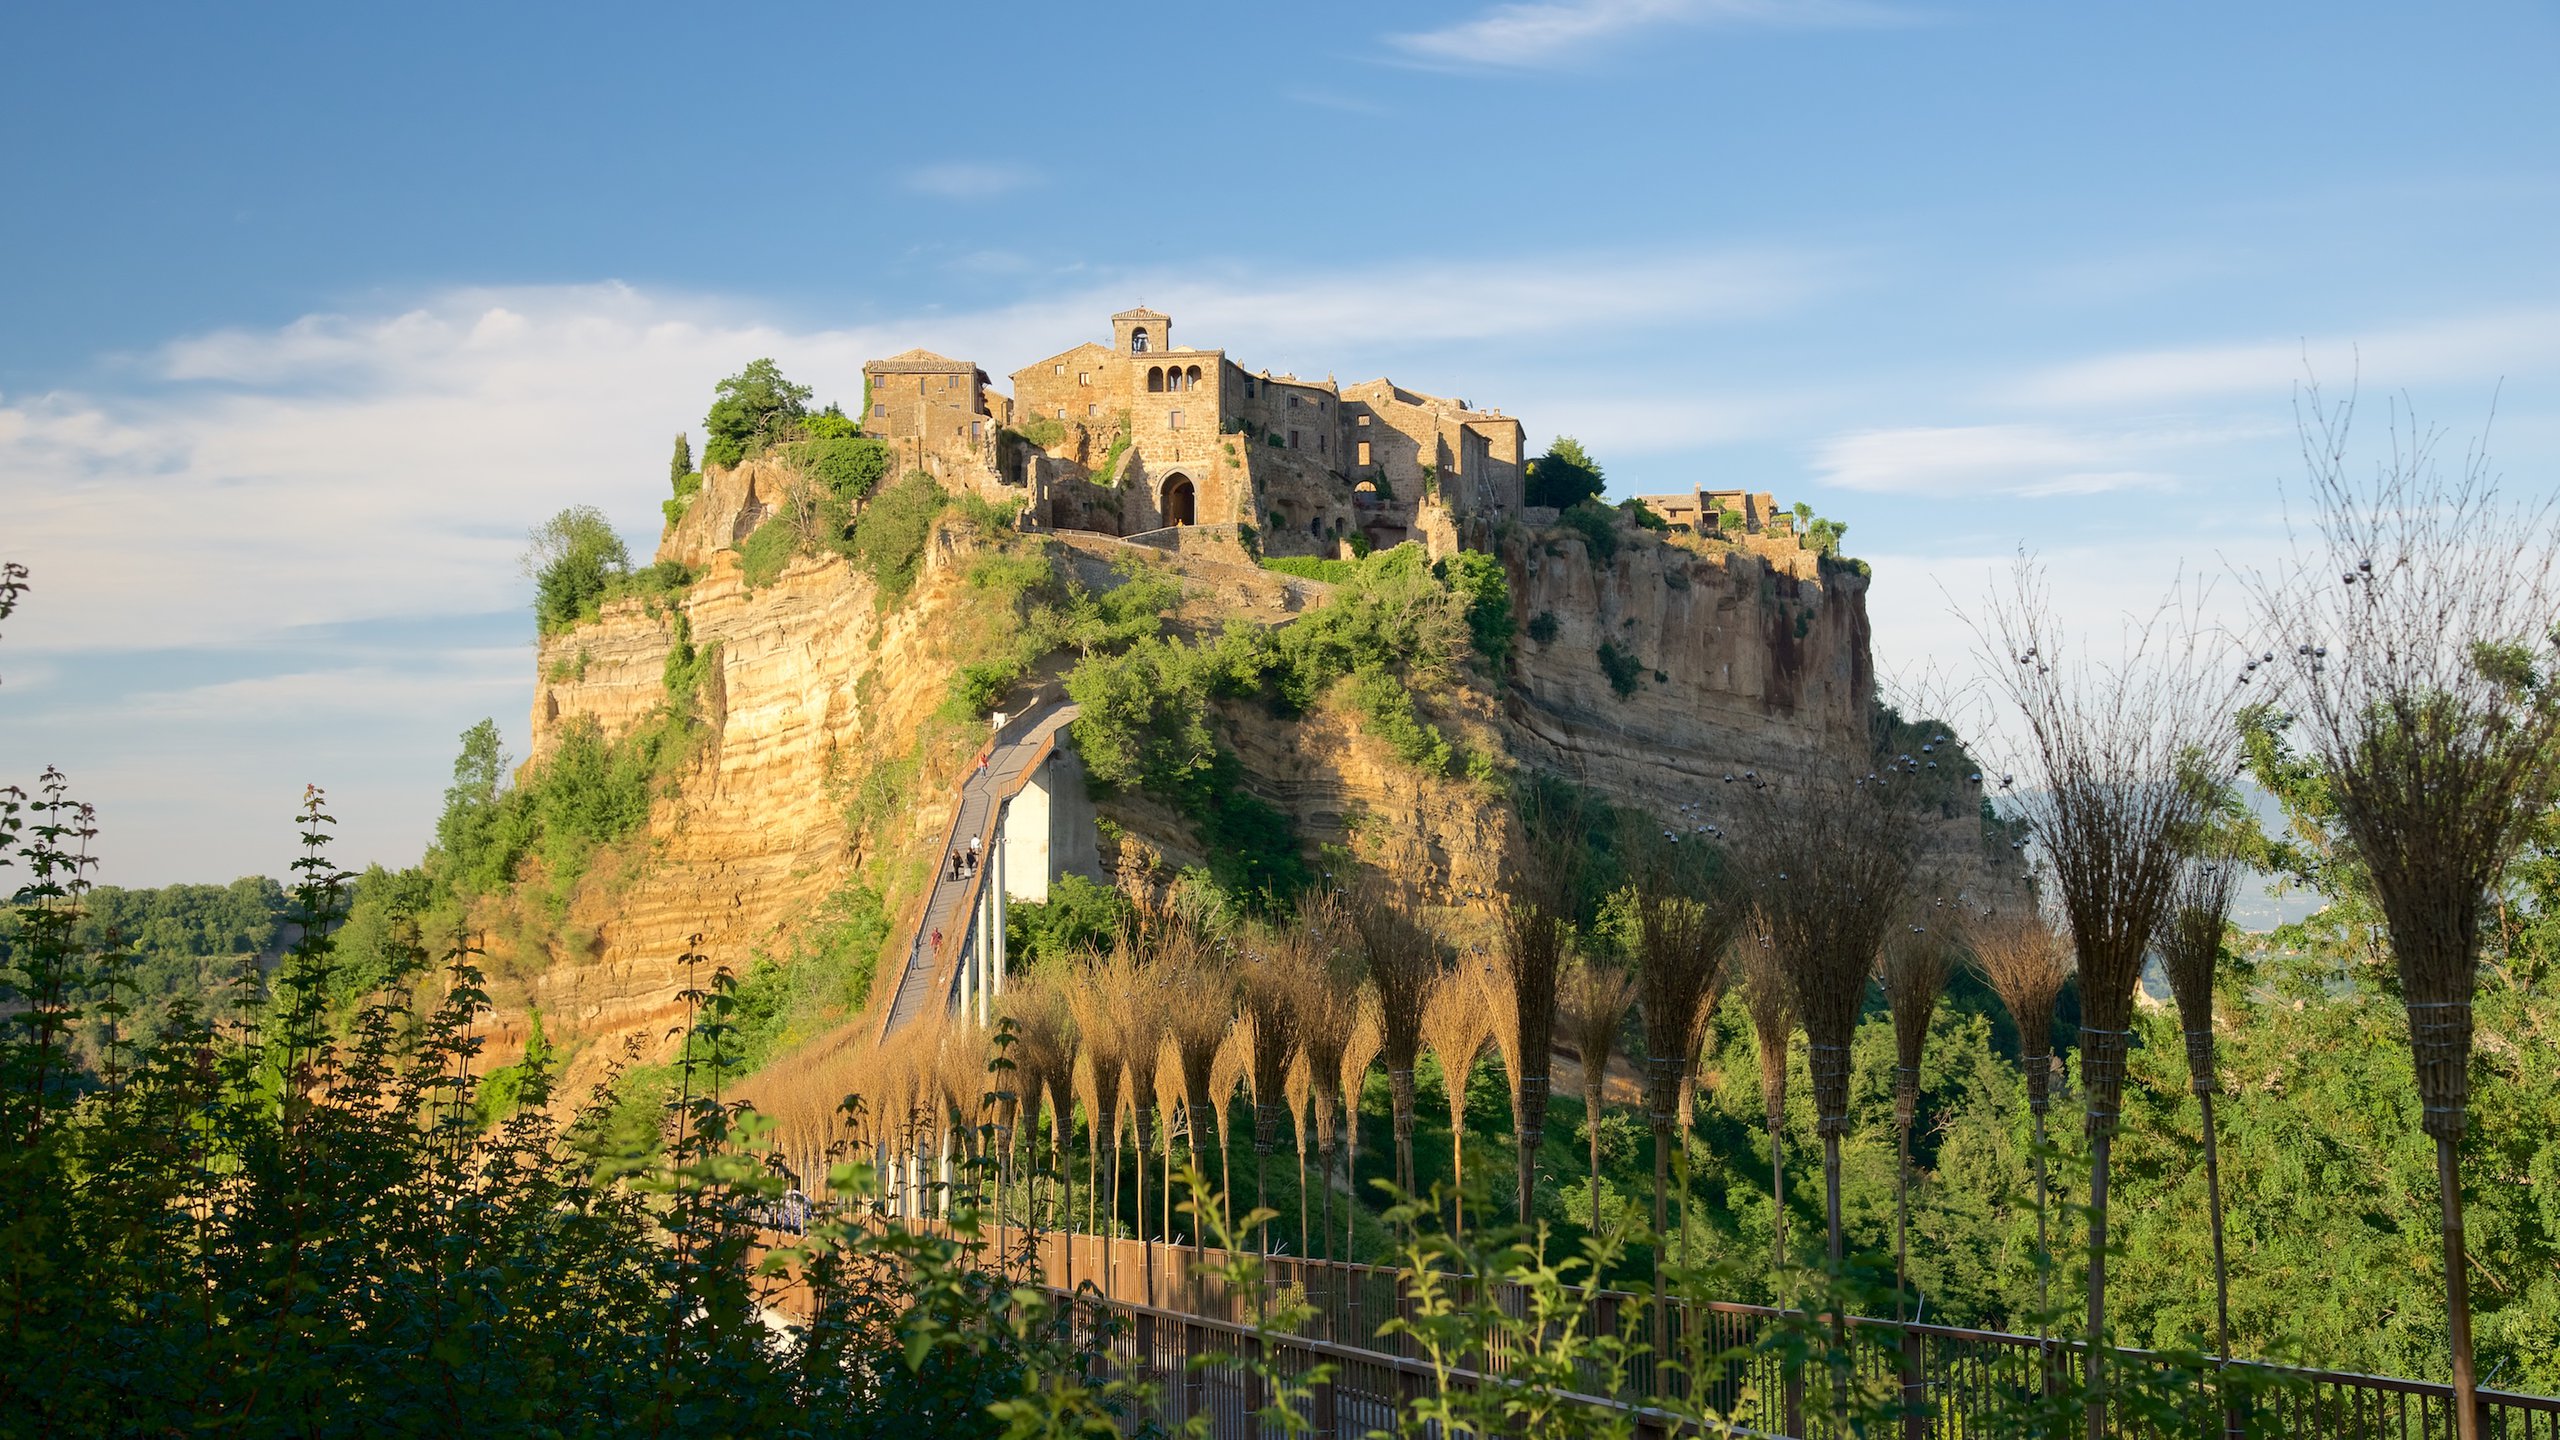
1592, 1006
1684, 924
1272, 977
2122, 764
2017, 953
1199, 988
2190, 944
1456, 1028
1771, 1004
1328, 1010
2416, 637
1406, 966
1536, 914
1919, 956
1830, 860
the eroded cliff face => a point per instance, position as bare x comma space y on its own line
827, 751
1752, 657
818, 760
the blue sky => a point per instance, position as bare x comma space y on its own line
312, 311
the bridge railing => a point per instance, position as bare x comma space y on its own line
1956, 1380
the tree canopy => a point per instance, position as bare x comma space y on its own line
572, 559
751, 409
1565, 476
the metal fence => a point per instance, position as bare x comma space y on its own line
1954, 1381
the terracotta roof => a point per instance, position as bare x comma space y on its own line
916, 362
1142, 313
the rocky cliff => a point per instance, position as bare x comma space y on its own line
828, 750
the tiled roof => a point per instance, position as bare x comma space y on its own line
915, 362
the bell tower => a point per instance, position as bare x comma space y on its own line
1141, 331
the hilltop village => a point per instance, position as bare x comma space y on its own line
1142, 436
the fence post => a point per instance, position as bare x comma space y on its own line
1195, 1378
1915, 1391
1257, 1393
1328, 1408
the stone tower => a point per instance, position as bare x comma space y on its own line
1141, 331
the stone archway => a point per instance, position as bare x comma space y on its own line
1178, 506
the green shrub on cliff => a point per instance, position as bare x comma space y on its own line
572, 559
889, 535
1388, 707
749, 410
850, 466
1478, 579
1624, 670
1565, 476
1598, 526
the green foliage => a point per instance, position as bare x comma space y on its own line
1078, 917
573, 559
1391, 612
1046, 431
849, 466
889, 535
1309, 567
1109, 474
311, 1231
1624, 670
1387, 705
1822, 537
1643, 515
1478, 579
1143, 715
1565, 476
768, 550
1597, 524
750, 410
654, 583
1545, 627
511, 1088
830, 424
587, 794
681, 468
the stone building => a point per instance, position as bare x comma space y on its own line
1697, 510
937, 410
1144, 435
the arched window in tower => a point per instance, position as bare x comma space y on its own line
1191, 378
1155, 376
1138, 341
1178, 503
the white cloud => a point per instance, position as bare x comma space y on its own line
968, 180
1974, 460
1520, 35
2477, 348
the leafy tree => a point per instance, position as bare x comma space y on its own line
1078, 917
750, 410
889, 535
1565, 476
1644, 516
682, 465
851, 467
573, 558
1478, 580
831, 424
1598, 526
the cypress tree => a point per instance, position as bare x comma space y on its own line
682, 464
